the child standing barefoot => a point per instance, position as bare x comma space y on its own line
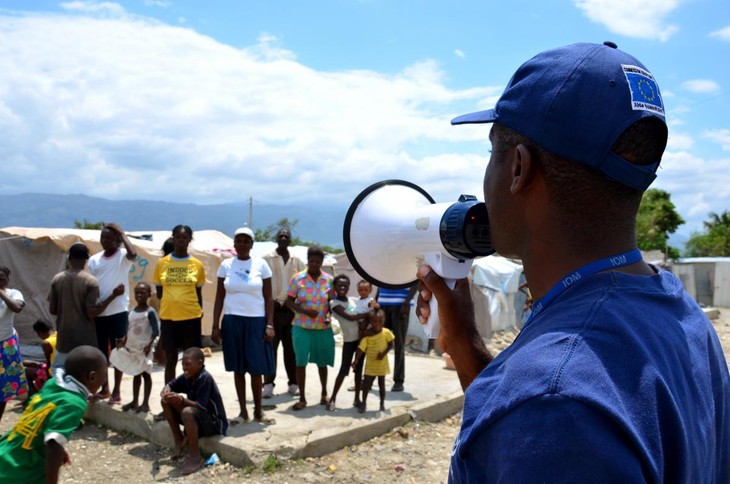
375, 347
344, 310
133, 355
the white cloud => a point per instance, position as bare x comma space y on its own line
125, 107
157, 3
702, 86
679, 141
722, 34
644, 19
721, 136
459, 53
91, 7
697, 186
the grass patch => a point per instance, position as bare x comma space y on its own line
272, 464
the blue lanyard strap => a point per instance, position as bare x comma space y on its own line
618, 260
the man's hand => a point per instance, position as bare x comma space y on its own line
269, 333
455, 307
114, 228
118, 291
458, 336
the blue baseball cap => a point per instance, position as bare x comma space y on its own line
575, 101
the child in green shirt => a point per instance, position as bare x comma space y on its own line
34, 450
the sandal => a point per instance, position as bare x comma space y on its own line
324, 401
331, 406
238, 420
114, 400
299, 405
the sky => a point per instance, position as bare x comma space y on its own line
292, 102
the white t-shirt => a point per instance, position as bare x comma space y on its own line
112, 271
7, 316
350, 329
363, 305
244, 282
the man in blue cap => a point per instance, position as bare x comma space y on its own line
617, 376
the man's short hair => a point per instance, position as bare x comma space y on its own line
316, 251
78, 251
195, 353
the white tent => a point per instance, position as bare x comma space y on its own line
495, 285
498, 303
35, 255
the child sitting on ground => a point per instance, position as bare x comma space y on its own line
193, 401
133, 355
375, 346
344, 310
37, 372
34, 450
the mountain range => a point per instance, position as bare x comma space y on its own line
323, 226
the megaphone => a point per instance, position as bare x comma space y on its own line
394, 226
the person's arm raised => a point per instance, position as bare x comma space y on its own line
459, 336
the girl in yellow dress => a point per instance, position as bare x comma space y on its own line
375, 347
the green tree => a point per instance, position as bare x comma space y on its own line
714, 241
88, 225
269, 233
657, 218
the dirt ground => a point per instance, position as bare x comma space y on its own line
417, 452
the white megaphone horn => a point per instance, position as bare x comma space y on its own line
393, 226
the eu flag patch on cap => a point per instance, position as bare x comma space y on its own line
645, 95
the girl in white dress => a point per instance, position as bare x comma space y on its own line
133, 354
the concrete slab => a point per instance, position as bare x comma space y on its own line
432, 392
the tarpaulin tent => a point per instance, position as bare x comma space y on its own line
35, 255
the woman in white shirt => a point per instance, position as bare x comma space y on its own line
244, 299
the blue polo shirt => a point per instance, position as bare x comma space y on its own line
621, 379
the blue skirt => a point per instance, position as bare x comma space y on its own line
244, 348
12, 373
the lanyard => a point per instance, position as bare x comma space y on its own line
618, 260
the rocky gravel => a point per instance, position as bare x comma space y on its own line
415, 453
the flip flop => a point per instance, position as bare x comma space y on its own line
114, 400
299, 405
238, 421
331, 406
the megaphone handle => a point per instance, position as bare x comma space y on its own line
432, 327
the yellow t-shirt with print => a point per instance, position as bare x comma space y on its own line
179, 279
371, 346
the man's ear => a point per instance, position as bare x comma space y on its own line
522, 168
